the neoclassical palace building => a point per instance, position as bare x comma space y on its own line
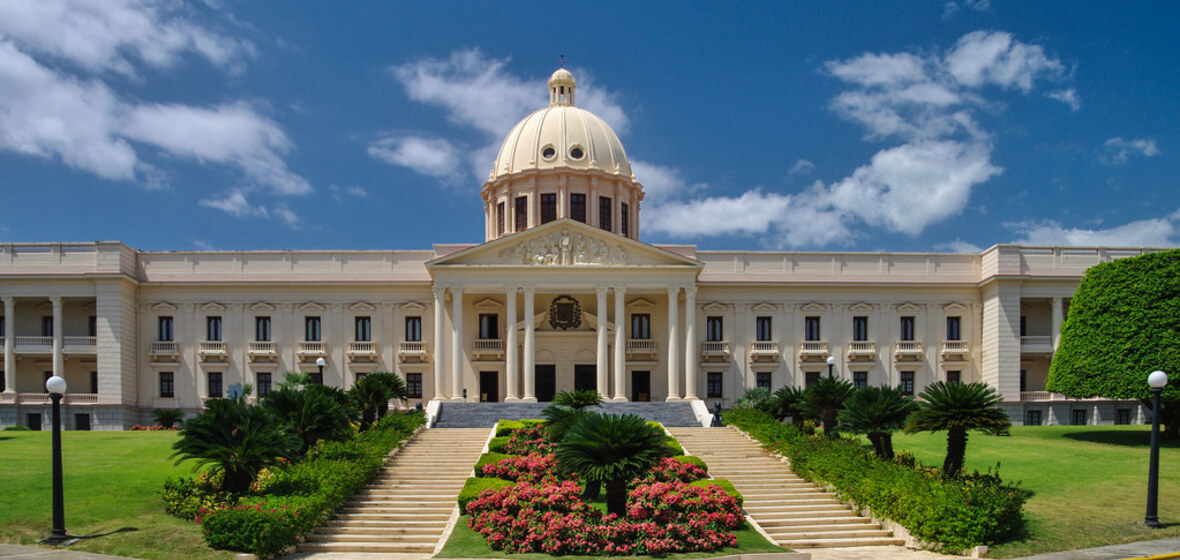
562, 294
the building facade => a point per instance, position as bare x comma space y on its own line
561, 295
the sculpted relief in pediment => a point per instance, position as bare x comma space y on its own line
563, 247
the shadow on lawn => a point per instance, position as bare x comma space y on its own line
1121, 437
108, 533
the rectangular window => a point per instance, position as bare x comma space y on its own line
92, 326
164, 330
414, 385
953, 376
860, 329
522, 213
810, 378
489, 326
640, 326
954, 328
762, 329
762, 380
82, 421
623, 220
578, 207
33, 421
1077, 417
364, 329
263, 384
1023, 380
3, 383
604, 212
713, 385
311, 329
860, 379
713, 329
1, 326
907, 382
213, 328
413, 329
94, 382
47, 325
1122, 417
215, 391
548, 207
1032, 418
262, 329
167, 385
1023, 325
811, 329
500, 219
907, 328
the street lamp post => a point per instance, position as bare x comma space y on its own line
1157, 380
57, 536
321, 362
831, 364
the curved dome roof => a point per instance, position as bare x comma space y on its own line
561, 136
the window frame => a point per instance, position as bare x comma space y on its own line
500, 221
578, 207
812, 329
264, 386
414, 385
860, 328
954, 376
215, 380
489, 326
954, 328
860, 379
907, 328
313, 329
363, 328
764, 380
623, 221
167, 384
641, 326
521, 213
906, 383
213, 332
764, 328
165, 328
262, 328
606, 206
714, 385
413, 328
548, 207
714, 328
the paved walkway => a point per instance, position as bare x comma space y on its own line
1168, 548
12, 551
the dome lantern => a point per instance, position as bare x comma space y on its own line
561, 88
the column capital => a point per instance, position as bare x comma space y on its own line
456, 290
601, 290
55, 300
619, 289
439, 291
528, 290
674, 291
512, 291
8, 301
690, 290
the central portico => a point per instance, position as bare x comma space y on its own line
564, 306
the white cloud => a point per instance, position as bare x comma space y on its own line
287, 216
113, 35
234, 203
983, 57
802, 167
1116, 151
1067, 96
951, 8
434, 157
661, 182
1157, 232
342, 192
958, 246
752, 212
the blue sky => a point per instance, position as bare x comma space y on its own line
896, 126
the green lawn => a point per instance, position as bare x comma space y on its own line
1090, 482
112, 486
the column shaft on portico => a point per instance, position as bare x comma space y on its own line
600, 363
690, 342
620, 347
511, 370
457, 344
1056, 322
439, 318
9, 345
530, 367
673, 344
58, 359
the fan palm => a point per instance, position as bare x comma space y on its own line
236, 439
877, 412
789, 402
578, 399
757, 398
312, 412
611, 449
824, 399
956, 408
371, 395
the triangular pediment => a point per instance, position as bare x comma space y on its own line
261, 307
861, 307
813, 307
714, 307
955, 307
564, 243
764, 307
163, 306
413, 307
213, 307
909, 307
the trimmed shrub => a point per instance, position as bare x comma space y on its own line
18, 428
261, 531
693, 460
505, 427
475, 486
949, 515
187, 498
516, 468
498, 444
721, 483
490, 458
670, 469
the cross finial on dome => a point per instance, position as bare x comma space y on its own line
561, 61
561, 87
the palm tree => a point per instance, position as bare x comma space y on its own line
236, 439
167, 417
756, 397
825, 398
956, 408
877, 412
371, 395
312, 412
789, 402
611, 449
578, 399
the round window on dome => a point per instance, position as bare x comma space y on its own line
576, 152
548, 152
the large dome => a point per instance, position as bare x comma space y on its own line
561, 136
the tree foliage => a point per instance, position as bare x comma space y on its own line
371, 395
312, 412
612, 449
877, 412
824, 399
236, 439
957, 408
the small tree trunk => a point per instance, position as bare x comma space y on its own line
956, 449
616, 497
829, 418
884, 445
236, 481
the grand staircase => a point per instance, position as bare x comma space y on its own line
794, 512
485, 415
407, 505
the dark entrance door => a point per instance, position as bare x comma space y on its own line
489, 386
81, 421
641, 386
546, 375
33, 420
585, 377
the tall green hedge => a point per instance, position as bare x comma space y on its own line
949, 515
1123, 323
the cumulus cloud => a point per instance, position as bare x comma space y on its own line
1116, 151
1067, 96
234, 203
56, 102
1155, 232
715, 215
802, 167
958, 246
352, 191
477, 93
952, 8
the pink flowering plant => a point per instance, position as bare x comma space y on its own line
525, 441
669, 469
524, 468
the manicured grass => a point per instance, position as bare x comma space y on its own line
112, 483
1089, 482
465, 543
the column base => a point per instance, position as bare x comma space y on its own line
673, 399
512, 399
619, 399
691, 398
457, 399
440, 398
528, 399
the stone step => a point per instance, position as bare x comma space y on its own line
786, 509
392, 522
836, 542
772, 520
843, 528
370, 535
351, 517
379, 547
810, 535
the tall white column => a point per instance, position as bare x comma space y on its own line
58, 363
690, 342
511, 370
9, 345
673, 344
600, 363
1057, 318
457, 344
530, 366
620, 346
439, 343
